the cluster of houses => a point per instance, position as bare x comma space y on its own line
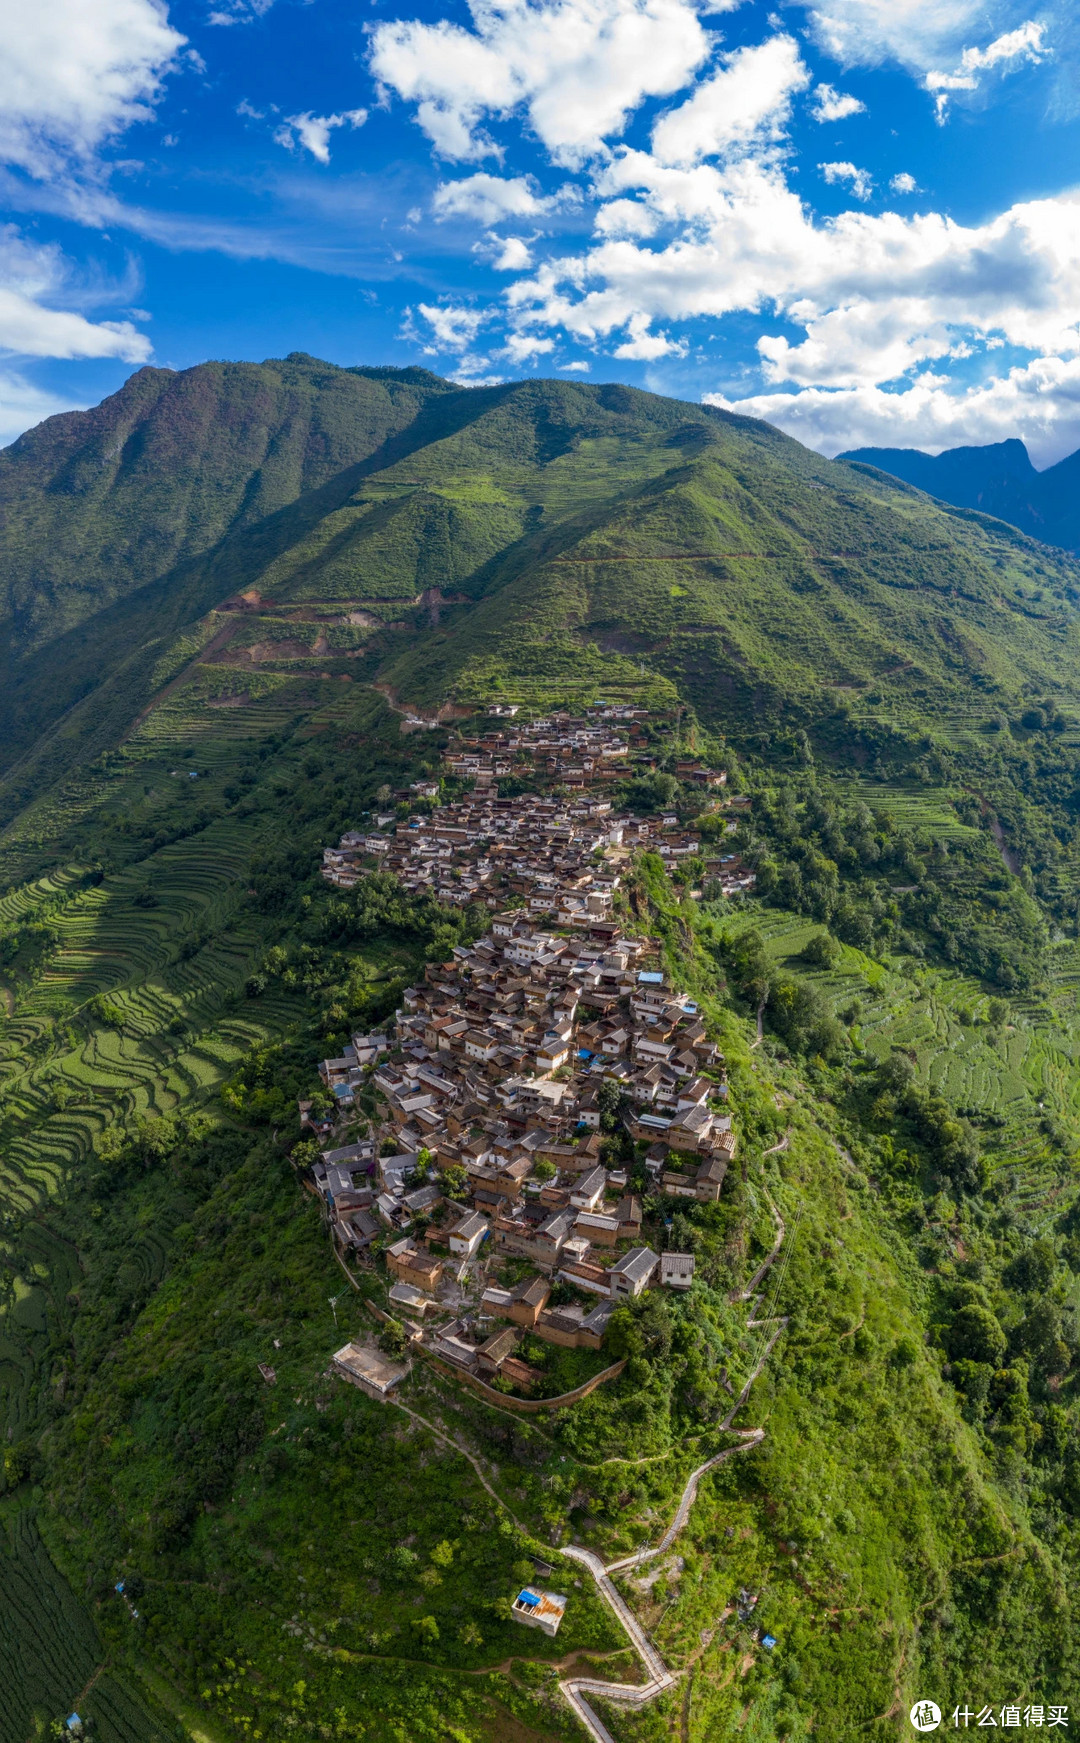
572, 751
563, 856
492, 1085
602, 745
502, 1070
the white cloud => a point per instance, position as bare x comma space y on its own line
239, 12
860, 180
829, 104
903, 183
522, 347
32, 279
73, 75
578, 368
859, 343
453, 329
1023, 44
577, 68
874, 294
23, 404
514, 254
312, 132
626, 218
645, 347
917, 34
469, 373
1038, 401
747, 103
489, 198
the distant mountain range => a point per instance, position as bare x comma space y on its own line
999, 479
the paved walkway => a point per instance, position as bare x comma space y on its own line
577, 1689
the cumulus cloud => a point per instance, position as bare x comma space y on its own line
871, 309
1008, 50
488, 198
452, 328
857, 343
626, 218
514, 254
312, 132
576, 69
874, 295
578, 368
747, 103
860, 180
525, 347
1038, 401
644, 346
33, 279
73, 76
830, 104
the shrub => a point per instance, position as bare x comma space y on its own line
821, 951
976, 1336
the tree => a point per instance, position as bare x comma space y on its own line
1032, 1272
821, 951
652, 792
976, 1336
610, 1097
454, 1181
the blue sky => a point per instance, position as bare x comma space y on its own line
859, 220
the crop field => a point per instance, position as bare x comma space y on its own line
134, 1010
51, 1659
938, 1017
136, 1002
911, 808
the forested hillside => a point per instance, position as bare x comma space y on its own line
246, 604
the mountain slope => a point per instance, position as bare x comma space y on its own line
999, 479
519, 536
892, 684
94, 504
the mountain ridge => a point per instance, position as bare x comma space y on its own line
997, 478
555, 530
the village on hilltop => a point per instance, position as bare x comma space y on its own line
487, 1181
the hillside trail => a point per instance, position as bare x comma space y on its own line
217, 641
1010, 859
576, 1690
410, 716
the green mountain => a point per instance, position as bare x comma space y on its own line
556, 532
243, 606
999, 479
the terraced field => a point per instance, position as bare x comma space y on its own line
51, 1659
137, 1006
938, 1016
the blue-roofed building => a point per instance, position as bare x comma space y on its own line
538, 1609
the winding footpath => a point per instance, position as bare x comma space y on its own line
576, 1690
